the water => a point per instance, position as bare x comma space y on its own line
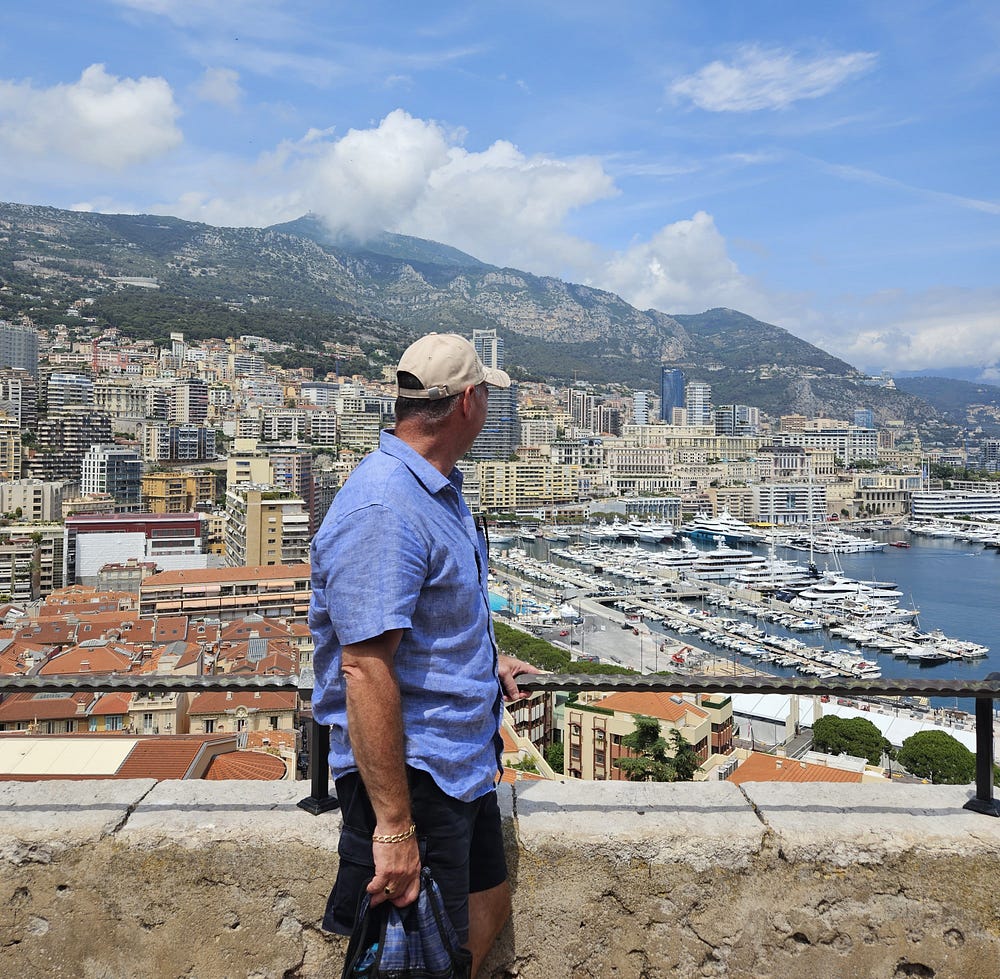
954, 585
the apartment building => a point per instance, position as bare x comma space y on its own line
19, 396
513, 485
265, 526
116, 470
178, 492
31, 561
177, 443
11, 447
64, 438
274, 591
594, 730
33, 500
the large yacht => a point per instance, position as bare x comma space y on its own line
724, 561
705, 528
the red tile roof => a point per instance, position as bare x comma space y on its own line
219, 575
116, 658
246, 765
660, 705
30, 707
767, 768
263, 700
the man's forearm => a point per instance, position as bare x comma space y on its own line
375, 723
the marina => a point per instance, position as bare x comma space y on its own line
886, 611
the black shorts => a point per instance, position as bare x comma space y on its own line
461, 842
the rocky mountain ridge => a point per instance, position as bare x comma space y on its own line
384, 291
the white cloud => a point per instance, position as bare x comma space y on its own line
221, 86
684, 267
947, 328
101, 120
768, 78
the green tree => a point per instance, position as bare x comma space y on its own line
855, 736
650, 761
555, 755
939, 757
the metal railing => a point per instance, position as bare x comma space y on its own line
320, 799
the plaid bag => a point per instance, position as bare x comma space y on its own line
415, 942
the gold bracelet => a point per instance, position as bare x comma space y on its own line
395, 837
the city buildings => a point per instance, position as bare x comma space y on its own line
671, 392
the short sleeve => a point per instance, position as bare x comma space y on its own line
376, 569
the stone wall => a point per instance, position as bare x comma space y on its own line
109, 879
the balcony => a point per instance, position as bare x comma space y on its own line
230, 879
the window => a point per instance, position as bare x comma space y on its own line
92, 726
209, 725
113, 722
274, 722
241, 723
147, 723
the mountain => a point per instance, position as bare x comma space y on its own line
297, 282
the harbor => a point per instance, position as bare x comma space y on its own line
943, 596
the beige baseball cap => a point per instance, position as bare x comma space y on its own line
446, 364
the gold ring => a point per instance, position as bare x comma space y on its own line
388, 890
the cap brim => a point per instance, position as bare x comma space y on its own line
497, 378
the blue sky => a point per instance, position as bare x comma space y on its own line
831, 168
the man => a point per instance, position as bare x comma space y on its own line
407, 672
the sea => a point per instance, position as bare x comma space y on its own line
954, 585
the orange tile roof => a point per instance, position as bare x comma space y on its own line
511, 775
760, 767
219, 575
658, 705
89, 659
263, 700
113, 703
35, 707
264, 629
245, 765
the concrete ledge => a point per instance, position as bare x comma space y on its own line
217, 879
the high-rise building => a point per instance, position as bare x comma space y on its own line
698, 403
501, 434
189, 402
671, 392
69, 391
19, 347
113, 469
11, 453
19, 396
737, 420
64, 438
640, 407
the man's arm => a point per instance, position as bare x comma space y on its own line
375, 724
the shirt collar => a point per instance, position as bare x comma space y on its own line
431, 477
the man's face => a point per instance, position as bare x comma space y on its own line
482, 402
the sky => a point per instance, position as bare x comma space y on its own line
829, 168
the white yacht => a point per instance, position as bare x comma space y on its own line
705, 528
724, 561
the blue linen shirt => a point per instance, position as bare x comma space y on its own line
399, 549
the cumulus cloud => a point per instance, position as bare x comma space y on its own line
221, 86
768, 78
685, 267
100, 119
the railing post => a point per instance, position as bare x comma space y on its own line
319, 799
984, 802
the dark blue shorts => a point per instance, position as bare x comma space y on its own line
461, 842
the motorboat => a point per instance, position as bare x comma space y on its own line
702, 527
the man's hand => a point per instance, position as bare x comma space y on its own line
397, 867
511, 668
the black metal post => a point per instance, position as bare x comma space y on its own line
984, 802
319, 800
